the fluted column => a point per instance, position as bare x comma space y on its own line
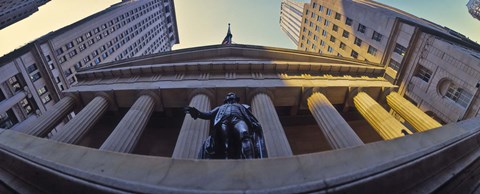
74, 130
193, 132
412, 114
125, 136
337, 131
42, 125
383, 122
275, 138
10, 102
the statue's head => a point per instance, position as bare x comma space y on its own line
231, 98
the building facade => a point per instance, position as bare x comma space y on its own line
45, 67
14, 11
291, 19
323, 119
410, 48
474, 8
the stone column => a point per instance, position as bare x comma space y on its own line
125, 136
412, 114
10, 102
193, 132
74, 130
383, 122
337, 131
42, 125
275, 138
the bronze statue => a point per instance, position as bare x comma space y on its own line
235, 133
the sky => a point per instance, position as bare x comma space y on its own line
205, 22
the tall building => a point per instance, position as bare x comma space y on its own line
474, 8
34, 76
291, 19
14, 11
435, 67
323, 119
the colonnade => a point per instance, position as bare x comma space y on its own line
126, 134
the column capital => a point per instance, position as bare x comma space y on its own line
156, 98
210, 93
252, 92
109, 97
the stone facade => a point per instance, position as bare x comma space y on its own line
14, 11
474, 8
291, 19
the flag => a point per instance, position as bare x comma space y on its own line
228, 38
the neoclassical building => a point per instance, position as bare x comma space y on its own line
325, 120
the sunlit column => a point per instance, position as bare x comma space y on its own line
412, 114
275, 138
76, 128
125, 136
337, 131
42, 125
193, 132
384, 123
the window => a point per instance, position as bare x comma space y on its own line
324, 33
67, 72
86, 59
317, 28
69, 45
326, 23
99, 37
88, 34
95, 53
91, 41
79, 39
97, 60
338, 16
59, 51
26, 105
346, 34
372, 50
78, 65
319, 18
330, 49
399, 49
320, 8
335, 28
377, 36
311, 24
396, 66
104, 55
72, 53
32, 68
82, 47
357, 41
305, 21
343, 45
314, 37
313, 46
314, 5
312, 15
423, 73
96, 30
458, 95
42, 90
14, 83
46, 99
348, 22
361, 28
354, 54
322, 42
332, 39
329, 11
35, 77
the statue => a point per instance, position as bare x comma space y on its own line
234, 134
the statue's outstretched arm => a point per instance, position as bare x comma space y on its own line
195, 113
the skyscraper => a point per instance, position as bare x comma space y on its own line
14, 11
291, 19
34, 75
474, 8
434, 66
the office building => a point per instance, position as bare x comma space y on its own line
324, 121
474, 8
434, 66
34, 76
291, 19
14, 11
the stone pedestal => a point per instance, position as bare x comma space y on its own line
275, 138
42, 125
337, 131
193, 132
412, 114
125, 136
383, 122
76, 128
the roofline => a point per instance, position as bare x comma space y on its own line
175, 23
